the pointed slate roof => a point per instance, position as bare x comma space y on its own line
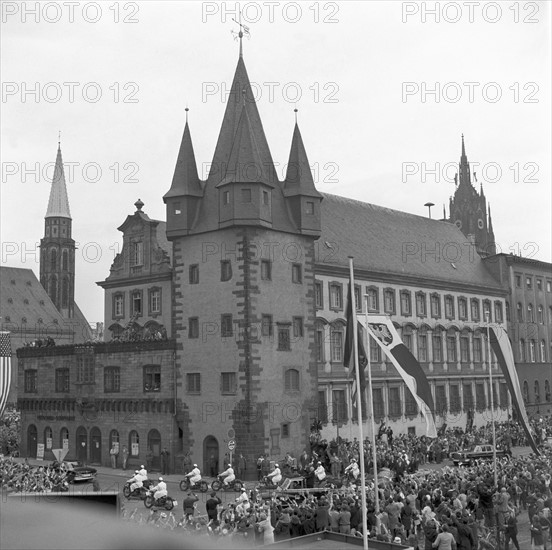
241, 98
185, 179
464, 175
58, 204
245, 164
299, 179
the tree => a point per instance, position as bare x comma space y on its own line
10, 432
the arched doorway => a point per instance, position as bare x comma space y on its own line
82, 446
154, 445
95, 445
32, 436
210, 456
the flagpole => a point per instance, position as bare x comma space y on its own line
371, 411
491, 396
359, 408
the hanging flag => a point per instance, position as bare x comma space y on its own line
383, 331
349, 358
5, 369
500, 344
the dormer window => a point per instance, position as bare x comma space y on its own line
266, 199
177, 208
226, 197
309, 207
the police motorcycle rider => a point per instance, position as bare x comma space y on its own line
228, 476
275, 476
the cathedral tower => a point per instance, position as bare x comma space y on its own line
57, 248
469, 211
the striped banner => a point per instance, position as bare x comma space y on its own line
500, 344
383, 331
5, 369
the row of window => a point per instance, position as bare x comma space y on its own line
229, 382
136, 299
531, 314
51, 284
537, 393
266, 272
532, 352
453, 308
529, 282
388, 402
86, 374
284, 330
457, 349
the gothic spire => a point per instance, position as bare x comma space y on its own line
464, 167
185, 179
58, 204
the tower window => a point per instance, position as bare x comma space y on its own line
225, 270
137, 302
137, 253
226, 197
177, 208
266, 270
194, 274
296, 273
309, 207
265, 198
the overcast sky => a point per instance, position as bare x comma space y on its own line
361, 74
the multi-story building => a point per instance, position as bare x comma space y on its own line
529, 316
429, 279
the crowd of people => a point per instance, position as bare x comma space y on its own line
22, 477
425, 508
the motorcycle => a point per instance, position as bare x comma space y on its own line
218, 484
186, 485
140, 492
163, 502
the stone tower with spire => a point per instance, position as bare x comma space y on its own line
243, 256
57, 248
469, 211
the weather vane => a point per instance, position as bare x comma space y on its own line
244, 30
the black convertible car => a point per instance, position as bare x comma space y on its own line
76, 471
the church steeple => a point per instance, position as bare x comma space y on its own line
464, 175
57, 248
58, 205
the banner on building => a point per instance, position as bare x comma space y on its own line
500, 344
381, 328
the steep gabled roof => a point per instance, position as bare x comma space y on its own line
58, 204
245, 164
241, 98
389, 241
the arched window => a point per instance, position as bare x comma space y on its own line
530, 314
134, 443
526, 392
507, 311
519, 313
336, 342
547, 395
542, 351
48, 438
114, 439
53, 259
291, 380
522, 349
53, 288
540, 315
537, 392
64, 292
65, 260
64, 438
532, 351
